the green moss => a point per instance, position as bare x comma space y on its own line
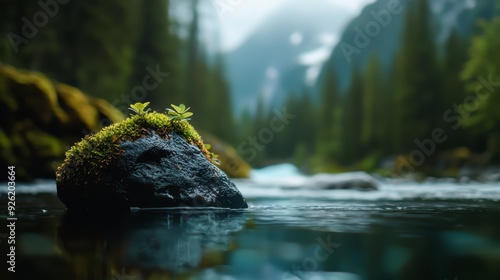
44, 145
38, 93
96, 152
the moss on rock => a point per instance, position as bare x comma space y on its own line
95, 152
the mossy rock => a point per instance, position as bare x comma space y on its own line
40, 119
108, 114
39, 96
96, 152
147, 160
79, 107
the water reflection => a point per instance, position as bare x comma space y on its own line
148, 244
274, 239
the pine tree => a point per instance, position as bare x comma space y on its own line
352, 121
417, 92
157, 48
328, 111
192, 79
99, 38
453, 86
373, 107
221, 104
482, 73
207, 91
287, 137
307, 123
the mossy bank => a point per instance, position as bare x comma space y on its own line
40, 119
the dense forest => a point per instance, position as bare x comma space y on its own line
435, 105
123, 51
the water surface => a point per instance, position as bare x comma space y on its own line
441, 230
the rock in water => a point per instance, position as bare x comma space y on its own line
145, 161
172, 172
351, 180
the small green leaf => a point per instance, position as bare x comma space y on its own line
188, 114
179, 113
177, 109
139, 107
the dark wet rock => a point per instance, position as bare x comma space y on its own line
155, 172
351, 180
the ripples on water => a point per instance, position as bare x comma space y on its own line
402, 231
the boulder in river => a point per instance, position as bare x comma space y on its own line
288, 176
351, 180
147, 160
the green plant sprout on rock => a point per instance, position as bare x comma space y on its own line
179, 113
214, 157
138, 108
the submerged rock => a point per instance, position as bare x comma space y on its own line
145, 161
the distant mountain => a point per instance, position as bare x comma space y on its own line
268, 65
460, 15
274, 55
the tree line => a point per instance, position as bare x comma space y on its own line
432, 99
122, 51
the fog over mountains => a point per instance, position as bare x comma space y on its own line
288, 52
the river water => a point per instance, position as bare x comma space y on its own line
439, 230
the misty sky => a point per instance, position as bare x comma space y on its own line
238, 18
